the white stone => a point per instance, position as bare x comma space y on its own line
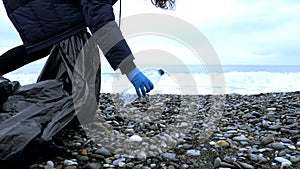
281, 160
153, 165
193, 152
142, 155
212, 143
284, 162
182, 124
136, 138
50, 163
240, 138
70, 162
108, 166
121, 164
153, 147
118, 161
147, 119
292, 147
129, 130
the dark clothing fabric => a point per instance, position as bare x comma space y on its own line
17, 57
42, 23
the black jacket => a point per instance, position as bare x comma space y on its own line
42, 23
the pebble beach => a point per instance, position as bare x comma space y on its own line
229, 131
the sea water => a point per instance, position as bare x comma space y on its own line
195, 79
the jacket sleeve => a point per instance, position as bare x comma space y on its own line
100, 19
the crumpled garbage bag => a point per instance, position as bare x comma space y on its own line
7, 88
31, 115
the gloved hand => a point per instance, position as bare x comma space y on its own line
140, 82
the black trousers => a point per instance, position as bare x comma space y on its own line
18, 57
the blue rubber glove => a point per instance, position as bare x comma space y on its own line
140, 82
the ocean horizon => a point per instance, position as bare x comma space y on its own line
194, 79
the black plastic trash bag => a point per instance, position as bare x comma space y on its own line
31, 115
7, 88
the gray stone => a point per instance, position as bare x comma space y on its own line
71, 167
98, 156
224, 164
294, 131
253, 157
169, 156
130, 165
240, 138
217, 162
275, 127
254, 150
103, 152
193, 152
229, 159
245, 165
139, 166
284, 162
92, 166
286, 140
244, 143
185, 166
83, 158
153, 165
278, 145
294, 159
261, 159
282, 153
34, 166
187, 146
266, 140
146, 167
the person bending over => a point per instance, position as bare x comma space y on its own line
43, 23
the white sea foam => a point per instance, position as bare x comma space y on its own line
201, 83
197, 83
261, 82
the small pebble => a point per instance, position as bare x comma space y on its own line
136, 138
70, 162
193, 152
103, 152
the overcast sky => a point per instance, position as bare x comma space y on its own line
241, 31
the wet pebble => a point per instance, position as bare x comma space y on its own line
103, 152
277, 145
240, 138
92, 166
70, 162
193, 152
136, 138
169, 156
284, 162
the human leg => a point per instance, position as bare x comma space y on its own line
18, 57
